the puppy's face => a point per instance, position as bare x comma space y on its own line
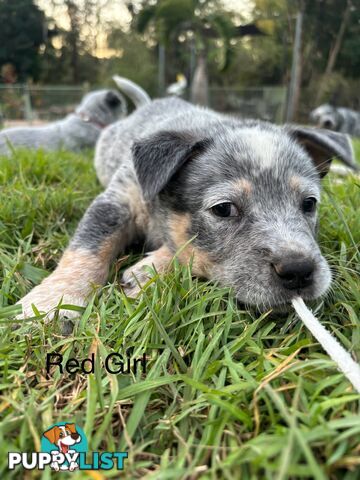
103, 106
250, 202
248, 199
325, 116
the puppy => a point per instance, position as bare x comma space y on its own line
78, 130
237, 198
63, 437
338, 119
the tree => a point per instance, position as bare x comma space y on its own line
73, 39
23, 31
134, 59
204, 23
330, 53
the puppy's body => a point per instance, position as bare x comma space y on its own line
239, 194
78, 130
339, 119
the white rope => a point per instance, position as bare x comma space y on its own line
341, 357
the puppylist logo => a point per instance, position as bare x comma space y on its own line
64, 446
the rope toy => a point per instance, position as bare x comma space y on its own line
341, 357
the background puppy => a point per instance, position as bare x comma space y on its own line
241, 195
78, 130
338, 119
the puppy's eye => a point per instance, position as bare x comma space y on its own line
225, 209
61, 434
309, 205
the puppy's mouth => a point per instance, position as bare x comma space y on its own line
64, 448
278, 301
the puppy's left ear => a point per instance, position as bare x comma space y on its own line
323, 146
158, 158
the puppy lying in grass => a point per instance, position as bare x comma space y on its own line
76, 131
237, 198
339, 119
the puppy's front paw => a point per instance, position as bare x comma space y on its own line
46, 297
134, 278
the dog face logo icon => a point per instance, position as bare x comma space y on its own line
64, 447
64, 441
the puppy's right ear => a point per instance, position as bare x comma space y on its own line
158, 158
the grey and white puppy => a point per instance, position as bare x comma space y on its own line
338, 119
237, 198
76, 131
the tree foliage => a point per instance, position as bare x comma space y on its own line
23, 31
206, 21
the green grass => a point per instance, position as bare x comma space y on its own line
228, 394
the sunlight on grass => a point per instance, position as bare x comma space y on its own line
228, 393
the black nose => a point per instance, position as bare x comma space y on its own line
294, 272
328, 124
75, 436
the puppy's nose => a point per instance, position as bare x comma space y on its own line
294, 272
327, 124
75, 436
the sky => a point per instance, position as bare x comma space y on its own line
117, 12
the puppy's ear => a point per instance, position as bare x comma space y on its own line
52, 435
112, 99
158, 158
324, 145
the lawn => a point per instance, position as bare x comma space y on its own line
228, 394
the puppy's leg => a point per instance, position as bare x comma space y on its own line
137, 275
108, 225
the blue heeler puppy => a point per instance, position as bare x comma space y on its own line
242, 195
76, 131
338, 119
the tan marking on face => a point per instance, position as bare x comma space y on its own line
179, 233
295, 182
179, 229
245, 186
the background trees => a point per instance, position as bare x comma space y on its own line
38, 47
23, 31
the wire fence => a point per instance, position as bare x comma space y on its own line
36, 104
264, 103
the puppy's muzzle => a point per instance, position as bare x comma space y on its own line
327, 123
294, 272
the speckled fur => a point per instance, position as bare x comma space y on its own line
76, 131
168, 163
339, 119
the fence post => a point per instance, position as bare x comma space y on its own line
295, 80
27, 104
